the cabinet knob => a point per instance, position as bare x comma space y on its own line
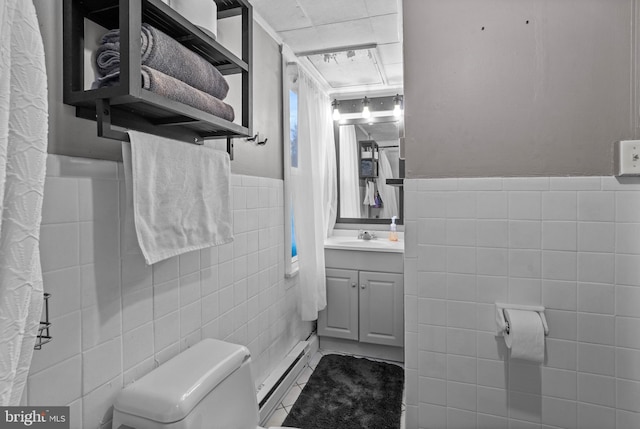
353, 284
363, 286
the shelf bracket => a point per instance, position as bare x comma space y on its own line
230, 147
103, 118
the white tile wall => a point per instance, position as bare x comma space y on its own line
571, 244
115, 319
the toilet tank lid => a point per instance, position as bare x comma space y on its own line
169, 393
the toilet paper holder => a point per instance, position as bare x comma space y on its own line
503, 325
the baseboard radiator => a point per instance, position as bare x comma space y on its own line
272, 391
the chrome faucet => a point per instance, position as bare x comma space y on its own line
365, 235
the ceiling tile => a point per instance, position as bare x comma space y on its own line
328, 25
330, 11
390, 53
381, 7
380, 132
385, 28
393, 73
304, 39
358, 32
348, 68
282, 14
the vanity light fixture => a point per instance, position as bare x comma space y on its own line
336, 109
366, 113
397, 105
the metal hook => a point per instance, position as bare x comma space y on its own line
256, 138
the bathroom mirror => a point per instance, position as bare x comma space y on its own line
367, 154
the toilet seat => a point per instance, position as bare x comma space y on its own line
276, 427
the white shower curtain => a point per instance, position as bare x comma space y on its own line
23, 148
314, 191
387, 193
350, 200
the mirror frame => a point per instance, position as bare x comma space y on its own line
336, 134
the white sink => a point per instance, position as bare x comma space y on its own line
365, 243
381, 244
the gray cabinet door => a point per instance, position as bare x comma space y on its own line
381, 308
340, 318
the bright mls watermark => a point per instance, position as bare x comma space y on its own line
34, 417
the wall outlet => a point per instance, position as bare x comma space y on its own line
627, 158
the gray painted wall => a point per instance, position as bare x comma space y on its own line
543, 98
72, 136
249, 158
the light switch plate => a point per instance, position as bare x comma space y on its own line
627, 158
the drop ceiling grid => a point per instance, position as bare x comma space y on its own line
312, 25
367, 20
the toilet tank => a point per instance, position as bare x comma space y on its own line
206, 386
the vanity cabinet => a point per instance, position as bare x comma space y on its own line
340, 318
365, 306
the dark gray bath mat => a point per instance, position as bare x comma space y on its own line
349, 393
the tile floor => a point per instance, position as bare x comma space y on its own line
289, 399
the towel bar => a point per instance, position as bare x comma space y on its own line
103, 118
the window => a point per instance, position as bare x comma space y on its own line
294, 247
293, 140
290, 114
293, 126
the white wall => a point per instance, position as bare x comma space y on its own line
571, 244
114, 318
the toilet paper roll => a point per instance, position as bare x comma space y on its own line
526, 335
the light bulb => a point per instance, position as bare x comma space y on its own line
397, 108
336, 110
366, 113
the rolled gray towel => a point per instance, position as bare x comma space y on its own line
162, 53
174, 89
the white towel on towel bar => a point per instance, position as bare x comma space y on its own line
180, 195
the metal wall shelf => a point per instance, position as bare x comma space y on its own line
128, 105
